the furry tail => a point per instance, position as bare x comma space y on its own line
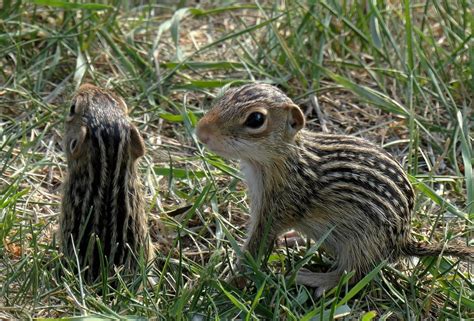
423, 249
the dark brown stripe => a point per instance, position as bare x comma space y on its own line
365, 178
359, 196
380, 160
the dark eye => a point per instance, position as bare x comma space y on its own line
72, 110
255, 120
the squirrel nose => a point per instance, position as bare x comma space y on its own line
203, 134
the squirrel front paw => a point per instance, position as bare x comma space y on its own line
239, 281
237, 278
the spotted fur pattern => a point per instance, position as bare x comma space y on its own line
102, 194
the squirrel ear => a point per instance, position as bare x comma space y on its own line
75, 109
137, 146
74, 146
295, 119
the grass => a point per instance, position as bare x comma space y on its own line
399, 74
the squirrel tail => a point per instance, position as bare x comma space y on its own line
424, 249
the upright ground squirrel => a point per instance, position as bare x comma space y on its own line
103, 196
315, 182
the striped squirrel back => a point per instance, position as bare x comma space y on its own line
102, 194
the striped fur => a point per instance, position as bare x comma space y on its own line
102, 194
315, 182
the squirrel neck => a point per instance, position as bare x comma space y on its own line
270, 178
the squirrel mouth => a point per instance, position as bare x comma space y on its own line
219, 151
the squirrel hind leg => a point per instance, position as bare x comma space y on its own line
321, 281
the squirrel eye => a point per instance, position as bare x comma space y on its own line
255, 120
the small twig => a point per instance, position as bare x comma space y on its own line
158, 70
314, 101
437, 163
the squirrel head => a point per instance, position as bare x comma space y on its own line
254, 122
94, 110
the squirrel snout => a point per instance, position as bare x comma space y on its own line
203, 133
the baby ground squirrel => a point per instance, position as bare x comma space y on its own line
313, 182
103, 196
